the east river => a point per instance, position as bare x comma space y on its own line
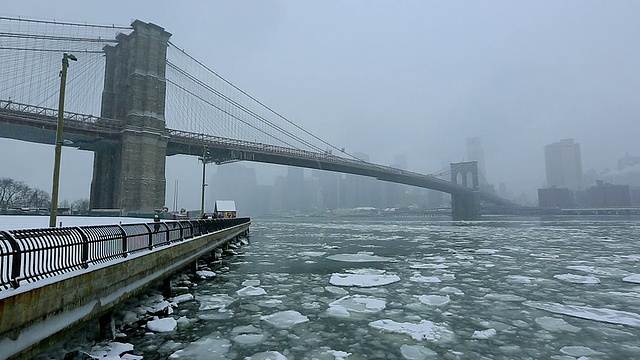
399, 288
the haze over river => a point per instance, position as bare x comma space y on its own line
403, 288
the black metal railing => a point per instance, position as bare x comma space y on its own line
34, 254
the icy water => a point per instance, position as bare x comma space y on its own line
327, 288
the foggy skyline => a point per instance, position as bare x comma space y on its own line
391, 78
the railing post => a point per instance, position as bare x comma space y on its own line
85, 248
17, 260
150, 236
125, 249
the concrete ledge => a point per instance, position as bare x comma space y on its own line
32, 316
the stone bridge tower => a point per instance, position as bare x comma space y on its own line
465, 206
130, 175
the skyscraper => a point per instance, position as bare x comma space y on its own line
564, 164
475, 153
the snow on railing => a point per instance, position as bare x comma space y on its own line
34, 254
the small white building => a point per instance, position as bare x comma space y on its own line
226, 208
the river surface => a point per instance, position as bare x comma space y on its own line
404, 288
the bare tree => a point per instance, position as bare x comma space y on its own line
12, 193
81, 206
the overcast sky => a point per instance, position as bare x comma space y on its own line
397, 77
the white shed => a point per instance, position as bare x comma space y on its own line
226, 208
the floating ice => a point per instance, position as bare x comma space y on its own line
486, 251
251, 282
520, 279
336, 290
285, 319
504, 297
267, 355
182, 298
483, 334
205, 348
629, 294
251, 291
584, 312
579, 351
417, 277
249, 339
363, 256
578, 279
162, 325
312, 253
111, 351
589, 269
635, 278
416, 352
205, 274
338, 311
357, 304
555, 325
435, 300
363, 278
209, 302
451, 290
424, 330
429, 266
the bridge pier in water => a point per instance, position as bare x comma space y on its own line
465, 206
130, 175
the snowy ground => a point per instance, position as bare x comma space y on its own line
11, 222
400, 289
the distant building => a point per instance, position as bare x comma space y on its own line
564, 165
555, 197
475, 153
605, 195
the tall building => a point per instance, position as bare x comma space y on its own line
564, 165
475, 153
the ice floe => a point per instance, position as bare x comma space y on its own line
504, 297
312, 253
417, 277
205, 274
555, 325
434, 300
360, 304
635, 278
207, 347
363, 256
578, 279
424, 330
597, 314
267, 355
162, 325
451, 290
363, 278
285, 319
182, 298
251, 282
251, 291
579, 351
429, 266
483, 334
112, 351
416, 352
216, 301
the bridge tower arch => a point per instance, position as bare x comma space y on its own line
465, 206
130, 175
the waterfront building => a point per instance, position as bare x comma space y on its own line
564, 165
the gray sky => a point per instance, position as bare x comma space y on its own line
397, 77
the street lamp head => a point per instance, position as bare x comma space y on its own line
71, 57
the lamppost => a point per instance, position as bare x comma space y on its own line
56, 164
205, 154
